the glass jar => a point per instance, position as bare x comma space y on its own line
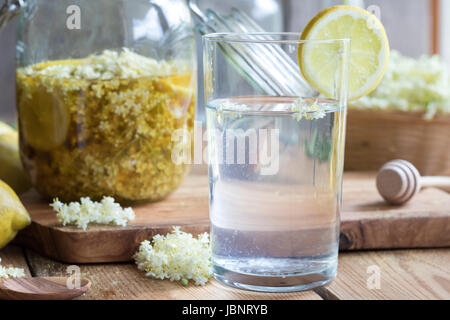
102, 87
267, 14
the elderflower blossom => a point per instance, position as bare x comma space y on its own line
232, 106
230, 110
308, 109
110, 65
11, 272
412, 85
87, 211
178, 256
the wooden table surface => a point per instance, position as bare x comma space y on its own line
403, 274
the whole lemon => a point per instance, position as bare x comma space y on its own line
11, 169
4, 128
13, 215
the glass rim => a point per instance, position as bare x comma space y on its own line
275, 99
248, 37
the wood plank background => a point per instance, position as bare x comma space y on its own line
125, 281
404, 274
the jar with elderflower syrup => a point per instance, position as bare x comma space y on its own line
102, 88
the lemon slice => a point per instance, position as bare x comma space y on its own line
180, 90
44, 119
369, 50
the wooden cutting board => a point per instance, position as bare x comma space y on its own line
366, 222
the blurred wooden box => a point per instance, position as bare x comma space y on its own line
377, 136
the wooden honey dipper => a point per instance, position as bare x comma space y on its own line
398, 181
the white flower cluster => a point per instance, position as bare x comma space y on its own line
233, 106
111, 65
177, 256
11, 272
230, 110
412, 85
308, 109
87, 211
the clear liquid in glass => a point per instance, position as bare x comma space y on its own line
274, 220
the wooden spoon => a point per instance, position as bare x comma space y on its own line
43, 288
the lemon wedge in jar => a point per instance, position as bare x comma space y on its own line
369, 50
11, 169
13, 215
44, 121
43, 113
181, 92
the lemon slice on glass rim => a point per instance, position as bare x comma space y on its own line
369, 50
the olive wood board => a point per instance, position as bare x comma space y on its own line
366, 222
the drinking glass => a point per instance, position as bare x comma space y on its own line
275, 161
